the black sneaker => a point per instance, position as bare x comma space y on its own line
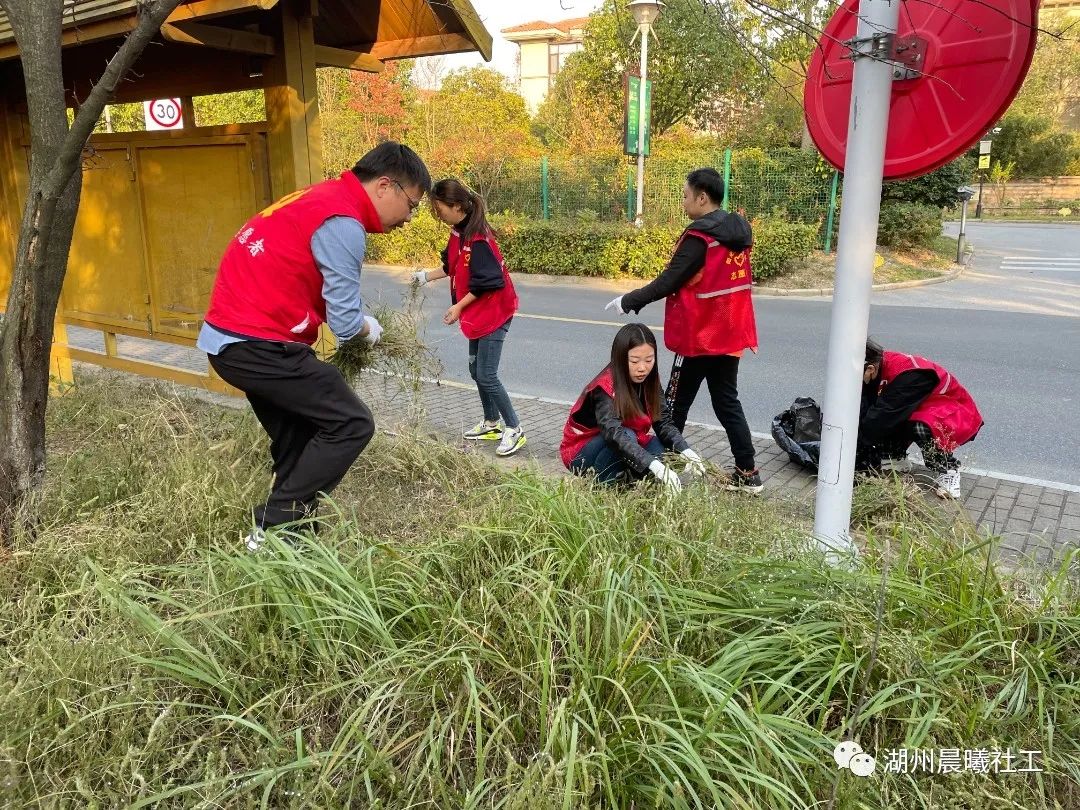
740, 481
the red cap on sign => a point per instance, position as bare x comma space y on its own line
959, 64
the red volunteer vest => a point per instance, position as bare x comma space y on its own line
949, 411
490, 310
268, 285
576, 435
713, 313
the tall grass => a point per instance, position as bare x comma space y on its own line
458, 637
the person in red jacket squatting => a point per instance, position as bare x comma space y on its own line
482, 303
291, 268
909, 399
709, 315
609, 430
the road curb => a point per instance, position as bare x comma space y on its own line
953, 274
625, 285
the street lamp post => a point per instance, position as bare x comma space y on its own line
645, 13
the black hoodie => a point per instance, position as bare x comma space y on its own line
730, 230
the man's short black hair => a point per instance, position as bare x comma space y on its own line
708, 181
396, 161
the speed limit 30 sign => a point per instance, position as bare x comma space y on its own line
163, 113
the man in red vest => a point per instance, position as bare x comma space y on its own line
909, 399
709, 315
291, 268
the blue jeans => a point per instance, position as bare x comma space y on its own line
607, 462
484, 356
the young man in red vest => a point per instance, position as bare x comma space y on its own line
709, 315
291, 268
909, 399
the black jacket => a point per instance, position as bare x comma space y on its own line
598, 410
730, 230
485, 272
882, 415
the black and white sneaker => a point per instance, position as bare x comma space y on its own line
742, 481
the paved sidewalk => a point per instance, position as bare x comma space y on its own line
1036, 523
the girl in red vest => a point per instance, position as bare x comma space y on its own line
909, 399
610, 429
483, 303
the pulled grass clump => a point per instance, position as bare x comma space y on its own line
400, 352
462, 637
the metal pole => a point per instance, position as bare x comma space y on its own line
832, 211
868, 123
978, 205
545, 190
630, 193
960, 238
727, 180
643, 30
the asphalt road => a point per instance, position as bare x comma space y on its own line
1019, 357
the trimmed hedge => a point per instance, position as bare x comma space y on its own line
570, 247
908, 225
779, 245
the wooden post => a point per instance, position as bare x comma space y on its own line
292, 103
60, 375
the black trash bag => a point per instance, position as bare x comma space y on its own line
798, 433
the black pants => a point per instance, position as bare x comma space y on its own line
316, 422
895, 445
721, 372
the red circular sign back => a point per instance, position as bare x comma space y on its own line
976, 57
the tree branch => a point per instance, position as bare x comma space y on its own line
151, 15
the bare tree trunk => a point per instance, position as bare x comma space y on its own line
45, 233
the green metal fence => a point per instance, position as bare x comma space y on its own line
787, 184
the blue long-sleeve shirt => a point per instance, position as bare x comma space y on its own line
338, 247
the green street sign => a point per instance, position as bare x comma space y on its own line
633, 87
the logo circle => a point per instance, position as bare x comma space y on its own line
165, 112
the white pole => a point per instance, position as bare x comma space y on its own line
960, 240
643, 31
868, 123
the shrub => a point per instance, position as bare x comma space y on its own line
908, 225
581, 247
779, 245
417, 243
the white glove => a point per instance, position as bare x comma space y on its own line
617, 303
667, 476
419, 278
694, 464
374, 330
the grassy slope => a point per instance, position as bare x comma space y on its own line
819, 270
464, 638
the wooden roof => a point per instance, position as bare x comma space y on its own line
385, 29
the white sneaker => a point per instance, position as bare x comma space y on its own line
513, 439
947, 485
255, 540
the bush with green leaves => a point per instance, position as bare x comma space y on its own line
585, 247
780, 245
908, 225
939, 188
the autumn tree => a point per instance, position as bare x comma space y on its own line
700, 67
573, 118
471, 126
46, 228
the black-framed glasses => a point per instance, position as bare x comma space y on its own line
413, 204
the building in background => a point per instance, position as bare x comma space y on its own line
544, 47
